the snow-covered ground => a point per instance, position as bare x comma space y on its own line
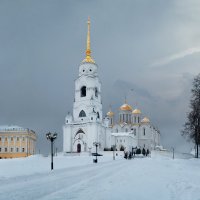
158, 177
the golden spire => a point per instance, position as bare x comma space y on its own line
88, 57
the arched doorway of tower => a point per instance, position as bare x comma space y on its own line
78, 148
79, 141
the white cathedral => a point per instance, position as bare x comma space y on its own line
87, 126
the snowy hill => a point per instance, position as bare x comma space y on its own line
76, 177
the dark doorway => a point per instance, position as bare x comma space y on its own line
78, 148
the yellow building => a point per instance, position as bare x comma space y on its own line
16, 142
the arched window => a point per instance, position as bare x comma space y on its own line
83, 91
96, 92
144, 131
98, 115
82, 114
79, 133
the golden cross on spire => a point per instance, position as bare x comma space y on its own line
125, 100
110, 107
88, 57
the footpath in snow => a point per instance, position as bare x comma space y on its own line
77, 177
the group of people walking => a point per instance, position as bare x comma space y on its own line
136, 151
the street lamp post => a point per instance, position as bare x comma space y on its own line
96, 144
90, 151
51, 137
173, 152
114, 148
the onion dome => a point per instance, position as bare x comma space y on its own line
136, 111
110, 114
145, 120
126, 107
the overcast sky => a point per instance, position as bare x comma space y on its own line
152, 47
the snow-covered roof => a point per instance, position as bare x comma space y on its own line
122, 134
12, 128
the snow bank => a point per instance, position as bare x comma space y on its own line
39, 164
77, 177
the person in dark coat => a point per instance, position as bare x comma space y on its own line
130, 155
147, 153
125, 154
143, 152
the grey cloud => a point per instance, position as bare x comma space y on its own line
176, 56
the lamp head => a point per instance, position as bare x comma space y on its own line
48, 135
96, 143
55, 135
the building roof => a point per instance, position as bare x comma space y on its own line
12, 128
122, 134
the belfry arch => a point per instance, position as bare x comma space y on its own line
83, 91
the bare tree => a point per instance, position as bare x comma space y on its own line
192, 125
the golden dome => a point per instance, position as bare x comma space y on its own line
126, 107
136, 111
110, 114
145, 120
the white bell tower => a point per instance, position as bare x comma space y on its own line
87, 89
85, 126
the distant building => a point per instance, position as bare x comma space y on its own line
16, 142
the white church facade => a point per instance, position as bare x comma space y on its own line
86, 125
